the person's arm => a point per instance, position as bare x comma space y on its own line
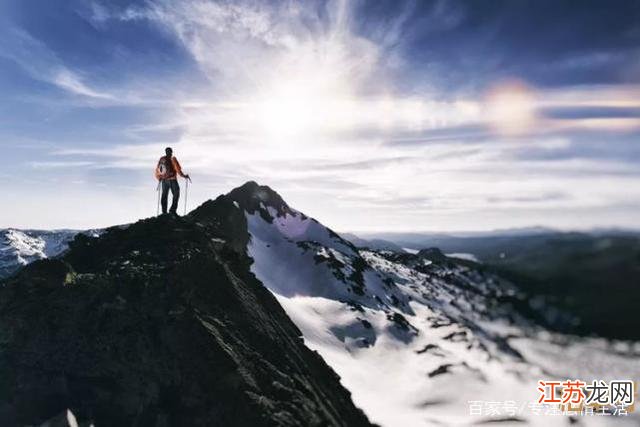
178, 168
156, 172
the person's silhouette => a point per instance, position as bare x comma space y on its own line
167, 172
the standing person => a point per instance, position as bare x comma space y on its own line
167, 173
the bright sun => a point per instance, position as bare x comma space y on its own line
305, 94
289, 109
317, 100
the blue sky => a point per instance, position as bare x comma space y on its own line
368, 115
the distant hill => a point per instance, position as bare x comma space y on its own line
595, 276
20, 247
378, 244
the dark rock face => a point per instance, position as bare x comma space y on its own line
432, 254
159, 324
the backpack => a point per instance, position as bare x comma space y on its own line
164, 168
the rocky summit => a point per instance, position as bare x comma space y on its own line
159, 323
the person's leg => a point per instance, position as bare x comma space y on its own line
175, 193
165, 195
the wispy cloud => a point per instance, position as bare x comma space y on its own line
42, 64
67, 79
60, 164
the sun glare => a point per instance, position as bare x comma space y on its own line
289, 109
294, 110
313, 96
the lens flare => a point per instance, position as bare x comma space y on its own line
511, 108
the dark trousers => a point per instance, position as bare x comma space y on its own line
175, 193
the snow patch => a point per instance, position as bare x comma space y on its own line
463, 255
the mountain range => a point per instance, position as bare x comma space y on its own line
592, 275
227, 316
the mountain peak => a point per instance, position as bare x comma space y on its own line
253, 197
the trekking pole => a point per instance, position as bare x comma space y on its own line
186, 194
158, 205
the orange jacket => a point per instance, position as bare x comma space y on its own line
171, 171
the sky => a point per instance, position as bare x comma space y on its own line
367, 115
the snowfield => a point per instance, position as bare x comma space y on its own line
422, 341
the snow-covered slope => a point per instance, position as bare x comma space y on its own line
20, 247
419, 339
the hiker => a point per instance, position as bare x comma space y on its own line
167, 173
